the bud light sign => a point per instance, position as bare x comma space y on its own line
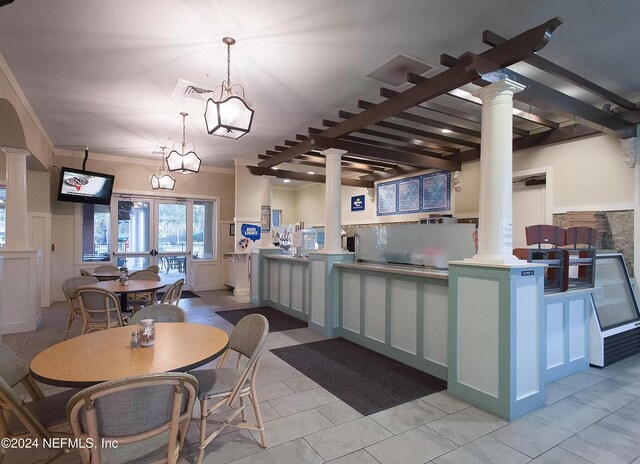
357, 203
250, 231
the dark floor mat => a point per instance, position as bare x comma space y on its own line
367, 381
278, 321
186, 294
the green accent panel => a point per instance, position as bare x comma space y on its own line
261, 299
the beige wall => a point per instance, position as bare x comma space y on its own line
38, 192
36, 140
284, 199
247, 188
133, 177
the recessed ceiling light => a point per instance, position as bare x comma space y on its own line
286, 181
446, 131
310, 172
274, 168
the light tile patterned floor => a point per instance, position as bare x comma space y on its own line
591, 417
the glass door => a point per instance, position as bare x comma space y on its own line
172, 247
134, 237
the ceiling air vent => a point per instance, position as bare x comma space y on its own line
394, 71
191, 90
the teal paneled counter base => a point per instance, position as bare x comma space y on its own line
497, 348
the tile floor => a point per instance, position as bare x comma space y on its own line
590, 417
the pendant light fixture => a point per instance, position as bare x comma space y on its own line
184, 162
227, 114
161, 180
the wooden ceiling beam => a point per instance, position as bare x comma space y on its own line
293, 175
493, 39
513, 51
365, 105
386, 154
427, 136
407, 141
534, 140
388, 93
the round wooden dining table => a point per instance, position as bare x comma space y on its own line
107, 354
133, 286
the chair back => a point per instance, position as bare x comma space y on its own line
144, 275
106, 268
70, 287
84, 273
12, 369
247, 339
153, 268
13, 409
159, 313
147, 415
173, 293
100, 309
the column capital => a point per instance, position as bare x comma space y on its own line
333, 153
502, 86
15, 151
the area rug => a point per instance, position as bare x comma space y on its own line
278, 321
186, 294
367, 381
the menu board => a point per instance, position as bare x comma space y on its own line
418, 194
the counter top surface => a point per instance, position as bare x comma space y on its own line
288, 258
398, 269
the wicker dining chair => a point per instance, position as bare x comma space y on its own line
173, 293
106, 268
39, 418
225, 385
69, 288
153, 268
84, 273
100, 309
160, 313
148, 416
140, 300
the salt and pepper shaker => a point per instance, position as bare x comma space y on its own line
135, 341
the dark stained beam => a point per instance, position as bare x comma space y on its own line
406, 141
397, 156
562, 134
493, 39
513, 51
365, 105
388, 93
419, 133
303, 176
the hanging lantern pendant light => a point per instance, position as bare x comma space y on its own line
184, 163
228, 115
161, 180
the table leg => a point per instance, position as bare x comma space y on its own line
124, 301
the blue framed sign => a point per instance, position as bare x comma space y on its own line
418, 194
357, 203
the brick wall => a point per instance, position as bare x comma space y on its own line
618, 232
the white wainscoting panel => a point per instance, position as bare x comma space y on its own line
527, 330
318, 308
555, 334
478, 333
297, 283
351, 301
374, 307
285, 282
436, 323
273, 280
577, 340
404, 312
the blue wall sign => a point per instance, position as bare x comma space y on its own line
357, 203
250, 231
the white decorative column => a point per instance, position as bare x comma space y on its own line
323, 276
16, 203
23, 267
333, 222
497, 344
266, 190
495, 235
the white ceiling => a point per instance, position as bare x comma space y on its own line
101, 73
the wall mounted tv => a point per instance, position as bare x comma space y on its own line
85, 186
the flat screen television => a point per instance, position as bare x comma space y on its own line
85, 186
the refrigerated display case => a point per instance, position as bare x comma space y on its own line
615, 319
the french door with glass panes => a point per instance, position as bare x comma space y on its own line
152, 232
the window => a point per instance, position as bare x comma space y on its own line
203, 230
95, 232
276, 217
